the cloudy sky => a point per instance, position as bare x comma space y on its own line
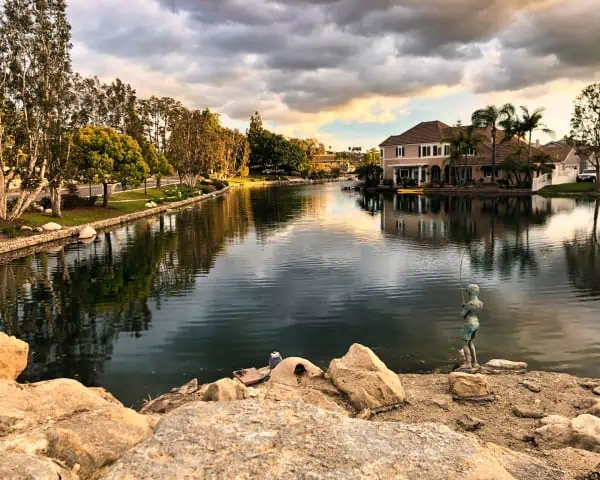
350, 72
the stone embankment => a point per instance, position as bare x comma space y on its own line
73, 233
356, 420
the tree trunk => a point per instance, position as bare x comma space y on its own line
494, 155
56, 200
145, 186
598, 175
158, 181
105, 195
90, 192
595, 227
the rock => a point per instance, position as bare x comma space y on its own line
531, 386
24, 406
294, 371
97, 438
19, 466
87, 232
581, 432
466, 385
365, 414
250, 439
151, 204
280, 392
594, 408
39, 229
106, 395
596, 390
191, 387
469, 423
504, 366
51, 227
589, 384
225, 390
48, 211
366, 379
26, 228
13, 357
524, 411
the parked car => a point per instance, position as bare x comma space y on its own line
588, 175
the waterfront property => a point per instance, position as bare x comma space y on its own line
423, 154
567, 163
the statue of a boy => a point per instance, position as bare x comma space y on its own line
470, 314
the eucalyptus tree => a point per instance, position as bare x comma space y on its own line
35, 67
585, 127
491, 117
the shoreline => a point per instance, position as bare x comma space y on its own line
357, 419
19, 247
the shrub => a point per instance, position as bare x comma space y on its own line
244, 172
46, 202
207, 189
72, 189
70, 202
10, 232
502, 182
388, 182
220, 185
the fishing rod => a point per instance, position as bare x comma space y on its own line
462, 287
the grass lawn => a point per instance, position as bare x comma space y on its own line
583, 187
153, 194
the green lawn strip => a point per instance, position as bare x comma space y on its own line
582, 187
153, 194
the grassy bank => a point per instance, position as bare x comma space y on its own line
583, 188
121, 203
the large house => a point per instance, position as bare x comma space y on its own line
423, 154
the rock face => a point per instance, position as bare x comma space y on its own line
294, 371
225, 390
581, 432
87, 232
51, 227
13, 357
468, 386
19, 466
251, 439
366, 379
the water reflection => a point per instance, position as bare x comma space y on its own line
308, 271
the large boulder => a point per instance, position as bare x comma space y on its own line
558, 432
294, 371
225, 390
13, 357
468, 386
366, 379
251, 439
280, 392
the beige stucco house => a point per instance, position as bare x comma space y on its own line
423, 154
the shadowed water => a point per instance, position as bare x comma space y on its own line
308, 271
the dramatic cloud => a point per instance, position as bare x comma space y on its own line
302, 61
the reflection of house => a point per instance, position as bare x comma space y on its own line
423, 153
567, 163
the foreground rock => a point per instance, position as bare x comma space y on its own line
225, 390
252, 439
51, 227
497, 366
63, 429
87, 232
366, 379
13, 357
558, 432
468, 386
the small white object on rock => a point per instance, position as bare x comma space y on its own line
51, 227
39, 229
87, 232
467, 385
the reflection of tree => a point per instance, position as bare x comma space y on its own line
373, 204
583, 259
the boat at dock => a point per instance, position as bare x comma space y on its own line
410, 191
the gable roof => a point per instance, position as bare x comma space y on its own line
424, 132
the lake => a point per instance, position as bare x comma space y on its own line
308, 271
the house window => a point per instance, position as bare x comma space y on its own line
426, 150
446, 150
400, 151
435, 150
381, 153
472, 151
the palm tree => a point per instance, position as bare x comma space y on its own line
463, 142
532, 121
492, 116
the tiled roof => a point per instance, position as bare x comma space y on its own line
557, 152
432, 132
424, 132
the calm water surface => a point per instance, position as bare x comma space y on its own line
308, 271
